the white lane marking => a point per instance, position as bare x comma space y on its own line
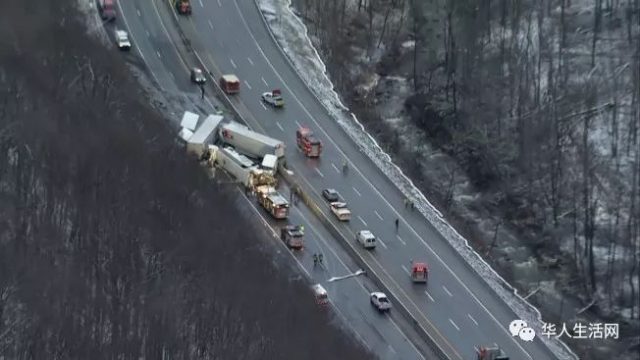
126, 23
166, 32
429, 296
356, 190
264, 81
158, 53
138, 12
335, 167
403, 335
264, 56
248, 85
379, 217
264, 107
364, 222
454, 325
472, 319
359, 281
201, 4
250, 62
297, 123
446, 290
402, 241
219, 4
382, 243
210, 24
233, 63
318, 171
406, 270
278, 125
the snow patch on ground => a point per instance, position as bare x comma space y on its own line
305, 59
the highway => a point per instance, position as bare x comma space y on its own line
465, 312
387, 335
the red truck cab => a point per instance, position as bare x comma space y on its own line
107, 9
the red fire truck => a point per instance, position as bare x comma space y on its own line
308, 143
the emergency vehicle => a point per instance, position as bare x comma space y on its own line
292, 235
230, 84
308, 143
419, 272
273, 202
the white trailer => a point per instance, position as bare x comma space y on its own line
236, 164
204, 135
249, 142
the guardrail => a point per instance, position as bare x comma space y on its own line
290, 178
311, 203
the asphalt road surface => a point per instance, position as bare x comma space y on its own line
384, 334
456, 301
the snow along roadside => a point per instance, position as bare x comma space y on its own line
306, 61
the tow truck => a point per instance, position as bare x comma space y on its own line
308, 143
490, 353
183, 7
292, 235
419, 272
273, 98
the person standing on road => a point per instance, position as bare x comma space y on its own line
202, 92
397, 223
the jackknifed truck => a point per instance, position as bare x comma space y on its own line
249, 142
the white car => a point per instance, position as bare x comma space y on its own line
340, 210
273, 98
380, 301
366, 239
122, 40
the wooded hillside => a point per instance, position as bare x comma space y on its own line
113, 243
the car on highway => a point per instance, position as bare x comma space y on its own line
319, 292
366, 239
380, 301
331, 195
341, 211
273, 98
122, 40
197, 76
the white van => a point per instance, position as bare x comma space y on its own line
366, 238
322, 298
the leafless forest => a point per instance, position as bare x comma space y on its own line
537, 102
112, 243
